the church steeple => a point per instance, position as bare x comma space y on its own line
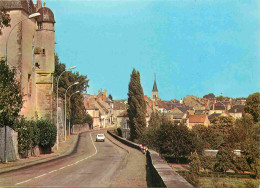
155, 89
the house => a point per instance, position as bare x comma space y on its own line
212, 116
236, 111
198, 119
180, 117
123, 123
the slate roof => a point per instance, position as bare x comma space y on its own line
177, 115
211, 116
237, 109
25, 5
119, 105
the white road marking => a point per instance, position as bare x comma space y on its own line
96, 151
23, 182
52, 171
40, 176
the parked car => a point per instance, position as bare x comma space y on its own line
100, 137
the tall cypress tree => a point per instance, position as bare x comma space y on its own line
136, 106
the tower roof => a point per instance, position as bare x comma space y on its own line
154, 85
46, 15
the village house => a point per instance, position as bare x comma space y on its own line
198, 119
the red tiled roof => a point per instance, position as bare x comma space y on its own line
197, 118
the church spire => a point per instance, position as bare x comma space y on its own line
154, 85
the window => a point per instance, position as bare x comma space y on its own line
39, 24
29, 85
43, 51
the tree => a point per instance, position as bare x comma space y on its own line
253, 106
206, 162
195, 163
110, 97
4, 19
11, 99
209, 96
177, 140
155, 120
89, 120
77, 110
136, 106
225, 159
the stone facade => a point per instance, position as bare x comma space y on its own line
11, 145
31, 52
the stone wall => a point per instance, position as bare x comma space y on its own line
12, 144
80, 128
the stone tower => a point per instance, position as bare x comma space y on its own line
44, 61
155, 90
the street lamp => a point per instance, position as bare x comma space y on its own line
69, 107
6, 47
66, 107
57, 98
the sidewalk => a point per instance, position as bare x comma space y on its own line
133, 169
64, 149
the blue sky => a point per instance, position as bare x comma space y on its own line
194, 46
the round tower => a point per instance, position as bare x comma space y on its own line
44, 63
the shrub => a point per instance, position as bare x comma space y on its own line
195, 163
250, 184
25, 134
47, 134
119, 132
192, 179
36, 133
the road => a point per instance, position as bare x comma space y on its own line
93, 164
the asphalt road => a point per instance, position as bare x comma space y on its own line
93, 164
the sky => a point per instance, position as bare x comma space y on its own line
195, 47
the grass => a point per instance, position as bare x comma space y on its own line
207, 182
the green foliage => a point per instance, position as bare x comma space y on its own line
48, 133
36, 133
77, 109
209, 96
25, 134
89, 120
206, 162
195, 164
253, 106
119, 132
250, 184
192, 178
241, 164
170, 139
155, 120
4, 19
110, 97
11, 99
136, 106
225, 160
220, 130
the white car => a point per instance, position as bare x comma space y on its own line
100, 137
